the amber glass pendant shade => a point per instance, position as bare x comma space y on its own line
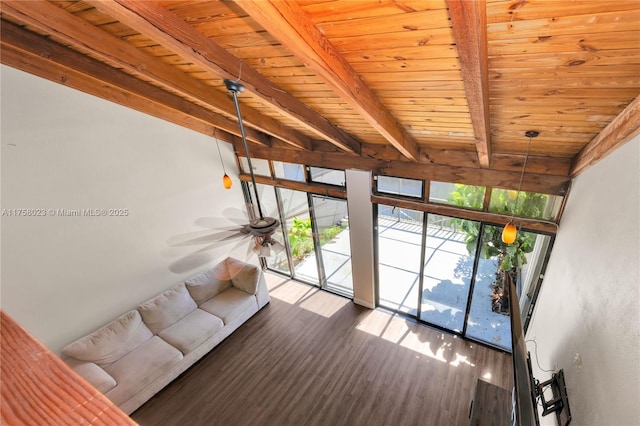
226, 181
509, 233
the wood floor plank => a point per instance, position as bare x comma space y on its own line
313, 358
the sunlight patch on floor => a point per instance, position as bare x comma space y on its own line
461, 359
307, 297
290, 292
408, 335
323, 303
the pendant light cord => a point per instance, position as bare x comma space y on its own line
215, 129
524, 166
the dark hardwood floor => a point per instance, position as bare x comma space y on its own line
313, 358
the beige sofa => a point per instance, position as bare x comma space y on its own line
135, 356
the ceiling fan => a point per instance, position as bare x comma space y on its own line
262, 227
248, 225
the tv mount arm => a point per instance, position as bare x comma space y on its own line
559, 401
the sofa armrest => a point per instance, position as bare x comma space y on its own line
92, 373
244, 276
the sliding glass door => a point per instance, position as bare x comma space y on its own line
299, 231
399, 237
278, 261
317, 244
445, 271
332, 239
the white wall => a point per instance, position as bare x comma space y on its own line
589, 302
62, 149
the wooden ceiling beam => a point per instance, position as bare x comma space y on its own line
173, 32
495, 218
469, 20
621, 129
313, 188
38, 55
534, 182
81, 35
558, 166
288, 23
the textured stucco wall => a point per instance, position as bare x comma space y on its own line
590, 299
63, 276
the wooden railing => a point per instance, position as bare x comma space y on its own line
38, 388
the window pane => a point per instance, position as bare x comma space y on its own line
399, 186
277, 261
529, 276
289, 171
468, 196
328, 176
260, 166
399, 249
486, 323
530, 204
332, 225
448, 269
489, 312
299, 232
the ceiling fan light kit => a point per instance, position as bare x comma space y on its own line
509, 233
263, 227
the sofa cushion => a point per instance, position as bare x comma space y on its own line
140, 367
188, 333
111, 342
229, 304
166, 308
93, 374
207, 284
244, 276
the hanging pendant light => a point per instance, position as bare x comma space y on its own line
509, 233
226, 180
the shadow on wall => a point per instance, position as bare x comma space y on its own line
210, 239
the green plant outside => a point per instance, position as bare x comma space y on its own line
301, 237
468, 196
529, 204
512, 256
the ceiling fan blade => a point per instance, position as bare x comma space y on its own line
238, 235
196, 238
215, 222
250, 252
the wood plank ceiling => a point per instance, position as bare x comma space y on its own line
432, 89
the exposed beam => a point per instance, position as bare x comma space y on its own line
534, 182
498, 219
173, 32
292, 26
558, 166
43, 57
621, 129
469, 20
81, 35
313, 188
